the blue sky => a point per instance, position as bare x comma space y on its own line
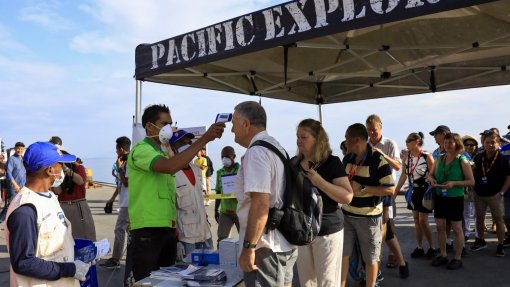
66, 69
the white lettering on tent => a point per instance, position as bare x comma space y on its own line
201, 43
298, 16
240, 36
214, 35
158, 51
417, 3
348, 8
184, 47
377, 6
271, 22
320, 11
229, 36
173, 53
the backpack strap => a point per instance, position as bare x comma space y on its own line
274, 149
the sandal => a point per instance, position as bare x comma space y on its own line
390, 263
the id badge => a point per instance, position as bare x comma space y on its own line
444, 192
484, 180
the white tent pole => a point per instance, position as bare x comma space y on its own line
137, 114
320, 112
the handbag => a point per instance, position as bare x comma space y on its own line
428, 198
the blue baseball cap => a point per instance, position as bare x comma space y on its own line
43, 154
179, 134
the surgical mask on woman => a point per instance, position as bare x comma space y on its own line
58, 181
227, 162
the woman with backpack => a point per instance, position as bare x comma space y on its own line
450, 175
416, 166
319, 263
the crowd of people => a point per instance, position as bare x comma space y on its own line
163, 193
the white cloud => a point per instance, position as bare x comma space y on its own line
8, 42
46, 15
97, 42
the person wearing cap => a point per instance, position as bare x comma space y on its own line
151, 201
38, 235
15, 176
438, 135
192, 223
72, 197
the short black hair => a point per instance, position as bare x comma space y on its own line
358, 130
55, 140
152, 112
124, 142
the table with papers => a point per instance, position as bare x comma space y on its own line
161, 278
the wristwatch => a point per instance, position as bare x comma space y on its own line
249, 245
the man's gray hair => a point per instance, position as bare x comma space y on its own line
253, 112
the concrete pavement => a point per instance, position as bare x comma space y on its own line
481, 268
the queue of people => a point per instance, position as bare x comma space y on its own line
163, 211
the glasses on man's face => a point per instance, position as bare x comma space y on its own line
410, 140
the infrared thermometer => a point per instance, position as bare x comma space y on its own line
223, 118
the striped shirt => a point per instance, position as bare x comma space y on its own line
372, 170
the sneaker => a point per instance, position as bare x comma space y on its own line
418, 253
479, 244
439, 260
454, 264
110, 264
404, 271
500, 252
431, 253
506, 243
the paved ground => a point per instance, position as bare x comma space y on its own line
481, 268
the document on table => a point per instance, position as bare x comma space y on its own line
228, 183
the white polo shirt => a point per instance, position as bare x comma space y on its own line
261, 171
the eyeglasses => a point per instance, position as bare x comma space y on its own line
410, 140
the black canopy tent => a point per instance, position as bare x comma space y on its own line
330, 51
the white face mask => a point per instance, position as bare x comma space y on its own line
227, 162
58, 181
165, 134
183, 148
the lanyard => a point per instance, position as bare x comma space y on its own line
492, 163
352, 170
411, 168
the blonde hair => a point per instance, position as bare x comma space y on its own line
322, 149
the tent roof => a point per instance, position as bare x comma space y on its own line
336, 51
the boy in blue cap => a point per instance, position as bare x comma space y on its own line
39, 240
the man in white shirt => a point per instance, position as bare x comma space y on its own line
266, 258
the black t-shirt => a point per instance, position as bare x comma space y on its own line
496, 176
332, 216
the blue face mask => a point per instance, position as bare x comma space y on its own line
58, 181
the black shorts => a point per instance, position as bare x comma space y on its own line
416, 199
449, 208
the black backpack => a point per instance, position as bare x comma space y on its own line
299, 219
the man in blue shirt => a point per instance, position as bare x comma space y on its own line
16, 176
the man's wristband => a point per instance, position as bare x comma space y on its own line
249, 245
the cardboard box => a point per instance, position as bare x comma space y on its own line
229, 251
205, 257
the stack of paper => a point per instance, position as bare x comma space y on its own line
210, 277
